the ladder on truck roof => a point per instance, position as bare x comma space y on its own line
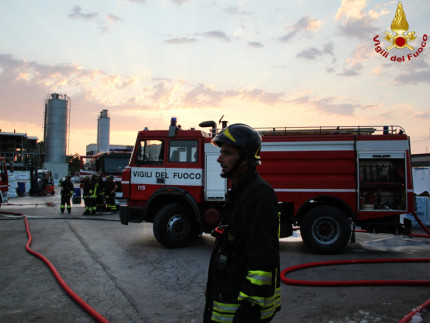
331, 130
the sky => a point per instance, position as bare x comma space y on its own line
264, 63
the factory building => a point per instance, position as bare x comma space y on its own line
19, 149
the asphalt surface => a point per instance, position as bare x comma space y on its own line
126, 276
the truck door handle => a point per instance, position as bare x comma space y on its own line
160, 181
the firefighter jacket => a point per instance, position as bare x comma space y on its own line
86, 192
244, 270
110, 188
66, 188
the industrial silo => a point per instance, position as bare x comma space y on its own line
103, 128
56, 127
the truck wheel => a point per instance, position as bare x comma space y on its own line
173, 226
326, 229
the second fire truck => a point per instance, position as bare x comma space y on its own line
327, 179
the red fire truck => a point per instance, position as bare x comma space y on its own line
106, 164
328, 180
4, 183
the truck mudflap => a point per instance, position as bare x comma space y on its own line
130, 214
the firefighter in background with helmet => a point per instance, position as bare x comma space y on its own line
244, 271
66, 194
110, 189
86, 195
93, 195
100, 189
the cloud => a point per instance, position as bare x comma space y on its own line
234, 10
413, 77
305, 25
313, 53
139, 1
76, 13
219, 35
255, 44
181, 40
104, 25
216, 34
112, 18
327, 105
179, 2
203, 95
356, 21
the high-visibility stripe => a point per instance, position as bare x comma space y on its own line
275, 304
224, 312
259, 277
225, 307
253, 299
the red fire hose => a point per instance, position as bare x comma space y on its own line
98, 317
72, 294
360, 282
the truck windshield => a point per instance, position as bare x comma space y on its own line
150, 152
115, 165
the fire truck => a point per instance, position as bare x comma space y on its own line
328, 180
4, 183
106, 164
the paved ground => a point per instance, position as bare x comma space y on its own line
125, 275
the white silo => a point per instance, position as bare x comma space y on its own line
56, 126
103, 128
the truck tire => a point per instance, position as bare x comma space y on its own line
326, 229
173, 226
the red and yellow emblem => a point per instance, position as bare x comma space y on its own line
400, 26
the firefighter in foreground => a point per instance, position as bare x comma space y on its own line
66, 194
244, 271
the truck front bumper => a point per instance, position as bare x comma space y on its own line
131, 214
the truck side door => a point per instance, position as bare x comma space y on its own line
147, 175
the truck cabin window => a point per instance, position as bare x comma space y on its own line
183, 151
150, 152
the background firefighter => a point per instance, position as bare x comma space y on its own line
100, 190
93, 195
66, 193
86, 195
244, 271
110, 189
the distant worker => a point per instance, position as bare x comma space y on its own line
86, 195
66, 193
100, 189
93, 195
110, 191
244, 280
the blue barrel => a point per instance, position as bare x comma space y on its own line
21, 188
76, 199
77, 191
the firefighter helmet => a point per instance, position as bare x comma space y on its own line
242, 136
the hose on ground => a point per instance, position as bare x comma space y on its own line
406, 319
98, 317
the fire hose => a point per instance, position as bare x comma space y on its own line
97, 316
284, 272
405, 319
